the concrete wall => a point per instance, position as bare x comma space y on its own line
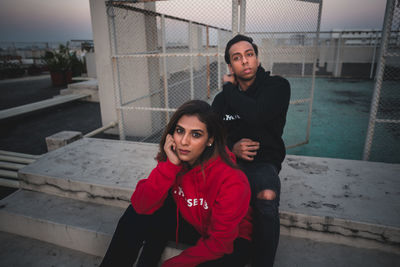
291, 60
91, 64
133, 74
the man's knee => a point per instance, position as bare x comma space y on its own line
266, 194
267, 208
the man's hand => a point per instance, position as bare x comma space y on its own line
229, 78
246, 149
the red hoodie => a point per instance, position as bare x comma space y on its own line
216, 204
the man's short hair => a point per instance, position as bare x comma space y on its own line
236, 39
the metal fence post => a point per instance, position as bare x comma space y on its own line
373, 56
242, 28
316, 51
191, 60
165, 73
235, 5
338, 49
379, 78
219, 58
116, 75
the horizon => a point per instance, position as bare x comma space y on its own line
61, 21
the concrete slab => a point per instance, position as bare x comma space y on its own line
89, 87
86, 227
342, 201
93, 170
58, 100
20, 251
61, 139
69, 223
333, 200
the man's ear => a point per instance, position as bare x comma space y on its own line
230, 68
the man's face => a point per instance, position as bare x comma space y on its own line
244, 61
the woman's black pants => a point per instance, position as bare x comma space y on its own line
152, 232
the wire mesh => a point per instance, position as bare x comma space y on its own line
287, 35
383, 138
167, 52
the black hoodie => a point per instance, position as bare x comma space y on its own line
259, 113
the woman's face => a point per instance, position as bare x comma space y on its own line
191, 138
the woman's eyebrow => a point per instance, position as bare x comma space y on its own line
197, 130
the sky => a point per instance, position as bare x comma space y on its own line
62, 20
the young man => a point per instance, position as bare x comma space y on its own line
253, 105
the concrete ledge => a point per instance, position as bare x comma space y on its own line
344, 200
340, 231
61, 139
58, 100
93, 170
64, 222
89, 88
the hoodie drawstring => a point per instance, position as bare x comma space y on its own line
177, 224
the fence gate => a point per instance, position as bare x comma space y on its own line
167, 52
383, 136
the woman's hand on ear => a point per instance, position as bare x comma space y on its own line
170, 150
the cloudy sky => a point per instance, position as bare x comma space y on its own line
62, 20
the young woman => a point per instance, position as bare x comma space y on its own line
195, 195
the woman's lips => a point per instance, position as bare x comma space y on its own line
183, 152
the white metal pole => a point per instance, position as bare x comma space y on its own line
235, 5
379, 78
219, 59
242, 28
165, 73
116, 75
373, 56
313, 76
338, 48
191, 60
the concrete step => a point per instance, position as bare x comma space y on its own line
10, 163
322, 199
64, 222
58, 100
78, 225
18, 251
89, 87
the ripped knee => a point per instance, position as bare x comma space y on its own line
267, 194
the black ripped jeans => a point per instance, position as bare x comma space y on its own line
266, 225
152, 232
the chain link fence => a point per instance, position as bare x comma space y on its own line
165, 53
288, 36
383, 137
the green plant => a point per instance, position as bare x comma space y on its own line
10, 70
77, 65
58, 60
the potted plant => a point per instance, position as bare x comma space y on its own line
59, 64
77, 65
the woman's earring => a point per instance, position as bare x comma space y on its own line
210, 144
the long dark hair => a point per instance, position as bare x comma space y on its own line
202, 110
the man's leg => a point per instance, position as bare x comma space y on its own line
265, 186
